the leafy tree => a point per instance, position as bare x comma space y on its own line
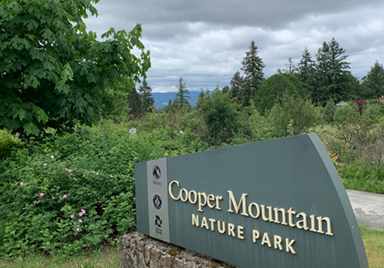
182, 95
373, 82
220, 114
333, 78
146, 97
236, 84
53, 72
254, 76
306, 70
275, 87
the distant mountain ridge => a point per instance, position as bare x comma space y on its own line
162, 99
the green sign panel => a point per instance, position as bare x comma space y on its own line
277, 203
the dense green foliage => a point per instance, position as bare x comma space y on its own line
53, 73
48, 186
114, 106
220, 114
7, 142
276, 86
373, 82
293, 115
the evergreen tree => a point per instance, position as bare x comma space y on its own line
182, 95
147, 100
290, 68
373, 82
333, 80
200, 99
134, 102
329, 111
236, 84
306, 70
225, 89
254, 76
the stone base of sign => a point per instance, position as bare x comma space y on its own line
141, 251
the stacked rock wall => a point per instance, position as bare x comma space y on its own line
140, 251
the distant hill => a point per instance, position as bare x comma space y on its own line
162, 99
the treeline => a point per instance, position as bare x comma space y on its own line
321, 78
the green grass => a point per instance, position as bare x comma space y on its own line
374, 246
107, 258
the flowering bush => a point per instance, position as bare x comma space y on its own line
72, 192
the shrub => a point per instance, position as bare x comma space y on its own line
47, 185
261, 127
276, 87
292, 116
220, 115
329, 111
374, 111
346, 114
358, 137
362, 177
7, 143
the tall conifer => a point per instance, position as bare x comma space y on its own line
373, 82
182, 94
146, 97
253, 70
333, 78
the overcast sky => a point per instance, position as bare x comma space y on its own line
204, 41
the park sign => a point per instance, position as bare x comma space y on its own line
277, 203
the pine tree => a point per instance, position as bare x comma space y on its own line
200, 99
182, 94
373, 82
290, 68
134, 102
146, 97
254, 76
329, 111
306, 70
236, 84
333, 79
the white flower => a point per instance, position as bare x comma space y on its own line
52, 156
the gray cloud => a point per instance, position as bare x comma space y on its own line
205, 41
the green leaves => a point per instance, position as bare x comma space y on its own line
53, 63
31, 128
